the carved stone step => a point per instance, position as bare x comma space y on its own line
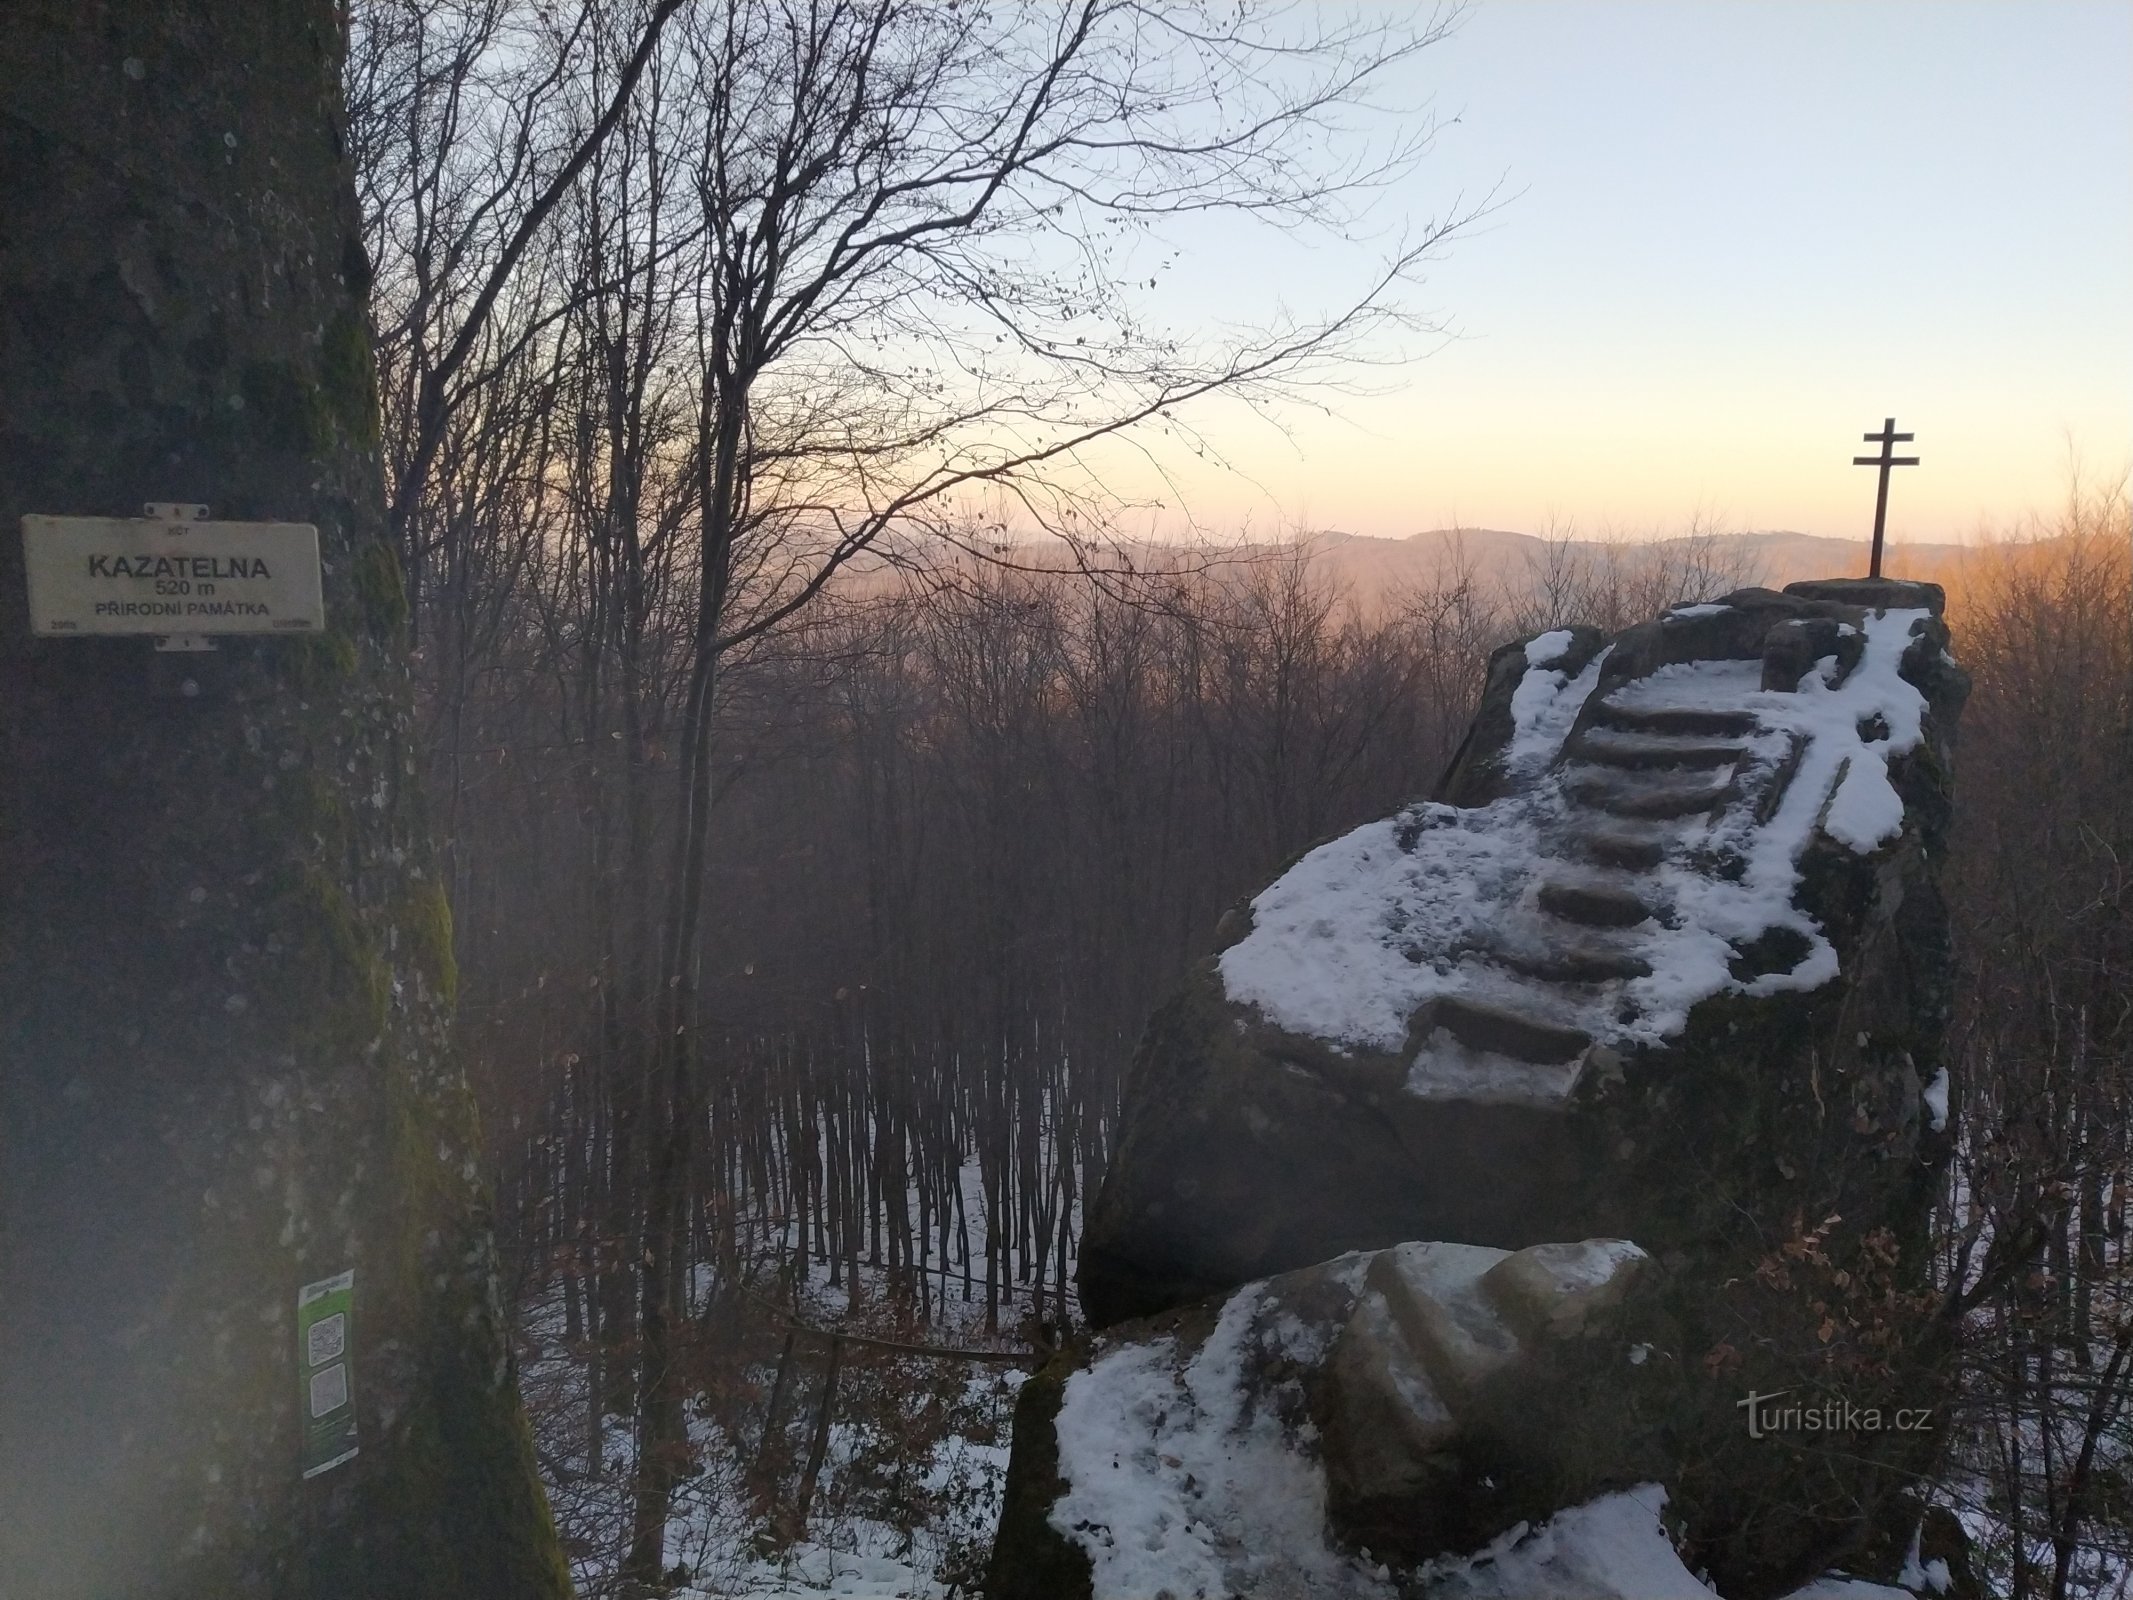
1685, 720
1449, 1069
1506, 1033
1434, 1295
1620, 847
1644, 752
1613, 793
1574, 961
1594, 905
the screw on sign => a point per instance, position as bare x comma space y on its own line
1888, 438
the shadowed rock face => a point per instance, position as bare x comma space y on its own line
1666, 961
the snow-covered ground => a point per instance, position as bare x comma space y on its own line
910, 1485
910, 1496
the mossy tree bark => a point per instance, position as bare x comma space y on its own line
225, 963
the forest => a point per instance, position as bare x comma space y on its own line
974, 832
906, 836
758, 741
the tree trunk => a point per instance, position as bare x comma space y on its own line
225, 957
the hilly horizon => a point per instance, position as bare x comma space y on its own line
1774, 557
1507, 560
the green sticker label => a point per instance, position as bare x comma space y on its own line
324, 1347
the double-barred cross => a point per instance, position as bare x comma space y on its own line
1888, 438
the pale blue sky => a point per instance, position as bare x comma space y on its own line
1738, 233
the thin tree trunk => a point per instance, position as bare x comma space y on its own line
818, 1448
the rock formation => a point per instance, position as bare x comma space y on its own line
1427, 1422
1664, 962
1282, 1439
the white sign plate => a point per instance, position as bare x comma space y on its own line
171, 575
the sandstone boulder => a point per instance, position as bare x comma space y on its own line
1666, 961
1332, 1430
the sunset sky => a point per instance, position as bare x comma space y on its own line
1735, 236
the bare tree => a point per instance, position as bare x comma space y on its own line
2036, 1218
898, 302
472, 122
687, 311
1450, 623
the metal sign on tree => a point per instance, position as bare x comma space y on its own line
171, 572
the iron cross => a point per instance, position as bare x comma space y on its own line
1888, 438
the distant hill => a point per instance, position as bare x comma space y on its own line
1502, 562
1508, 559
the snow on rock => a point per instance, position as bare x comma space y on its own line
1328, 952
1490, 1021
1364, 930
1545, 649
1926, 1577
1178, 1483
1612, 1548
1188, 1452
1838, 1587
1185, 1455
1547, 701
